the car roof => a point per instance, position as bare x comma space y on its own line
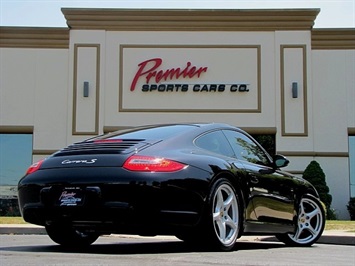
141, 132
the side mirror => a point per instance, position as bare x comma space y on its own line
280, 161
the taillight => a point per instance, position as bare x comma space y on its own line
152, 164
34, 167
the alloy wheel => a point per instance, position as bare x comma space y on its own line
225, 214
310, 223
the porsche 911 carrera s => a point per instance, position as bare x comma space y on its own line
207, 184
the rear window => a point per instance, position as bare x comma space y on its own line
162, 132
215, 142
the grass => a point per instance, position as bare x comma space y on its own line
340, 225
329, 225
12, 220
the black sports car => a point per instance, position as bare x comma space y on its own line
205, 183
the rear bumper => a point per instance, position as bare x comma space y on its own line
112, 219
148, 206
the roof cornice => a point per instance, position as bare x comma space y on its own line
33, 37
190, 20
178, 20
332, 39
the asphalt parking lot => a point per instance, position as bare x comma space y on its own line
335, 237
132, 250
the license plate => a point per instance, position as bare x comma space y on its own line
71, 196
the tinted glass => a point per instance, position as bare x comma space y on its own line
215, 142
267, 141
15, 158
245, 148
352, 164
151, 133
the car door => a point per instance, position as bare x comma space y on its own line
271, 191
216, 142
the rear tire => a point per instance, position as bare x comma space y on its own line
224, 215
310, 223
67, 236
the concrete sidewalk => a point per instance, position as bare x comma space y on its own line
333, 237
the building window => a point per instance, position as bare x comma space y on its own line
15, 158
352, 165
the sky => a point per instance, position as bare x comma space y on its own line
47, 13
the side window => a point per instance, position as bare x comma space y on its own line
245, 148
215, 142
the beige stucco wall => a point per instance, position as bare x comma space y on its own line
334, 112
34, 92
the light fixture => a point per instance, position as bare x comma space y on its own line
86, 89
294, 90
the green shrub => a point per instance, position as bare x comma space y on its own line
351, 208
315, 175
9, 207
331, 215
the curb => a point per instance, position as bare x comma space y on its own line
324, 239
332, 237
21, 229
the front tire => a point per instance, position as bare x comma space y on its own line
67, 236
310, 223
224, 218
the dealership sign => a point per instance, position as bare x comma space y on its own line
193, 79
154, 78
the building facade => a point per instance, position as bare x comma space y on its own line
266, 71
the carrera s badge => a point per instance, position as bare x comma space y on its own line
91, 161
